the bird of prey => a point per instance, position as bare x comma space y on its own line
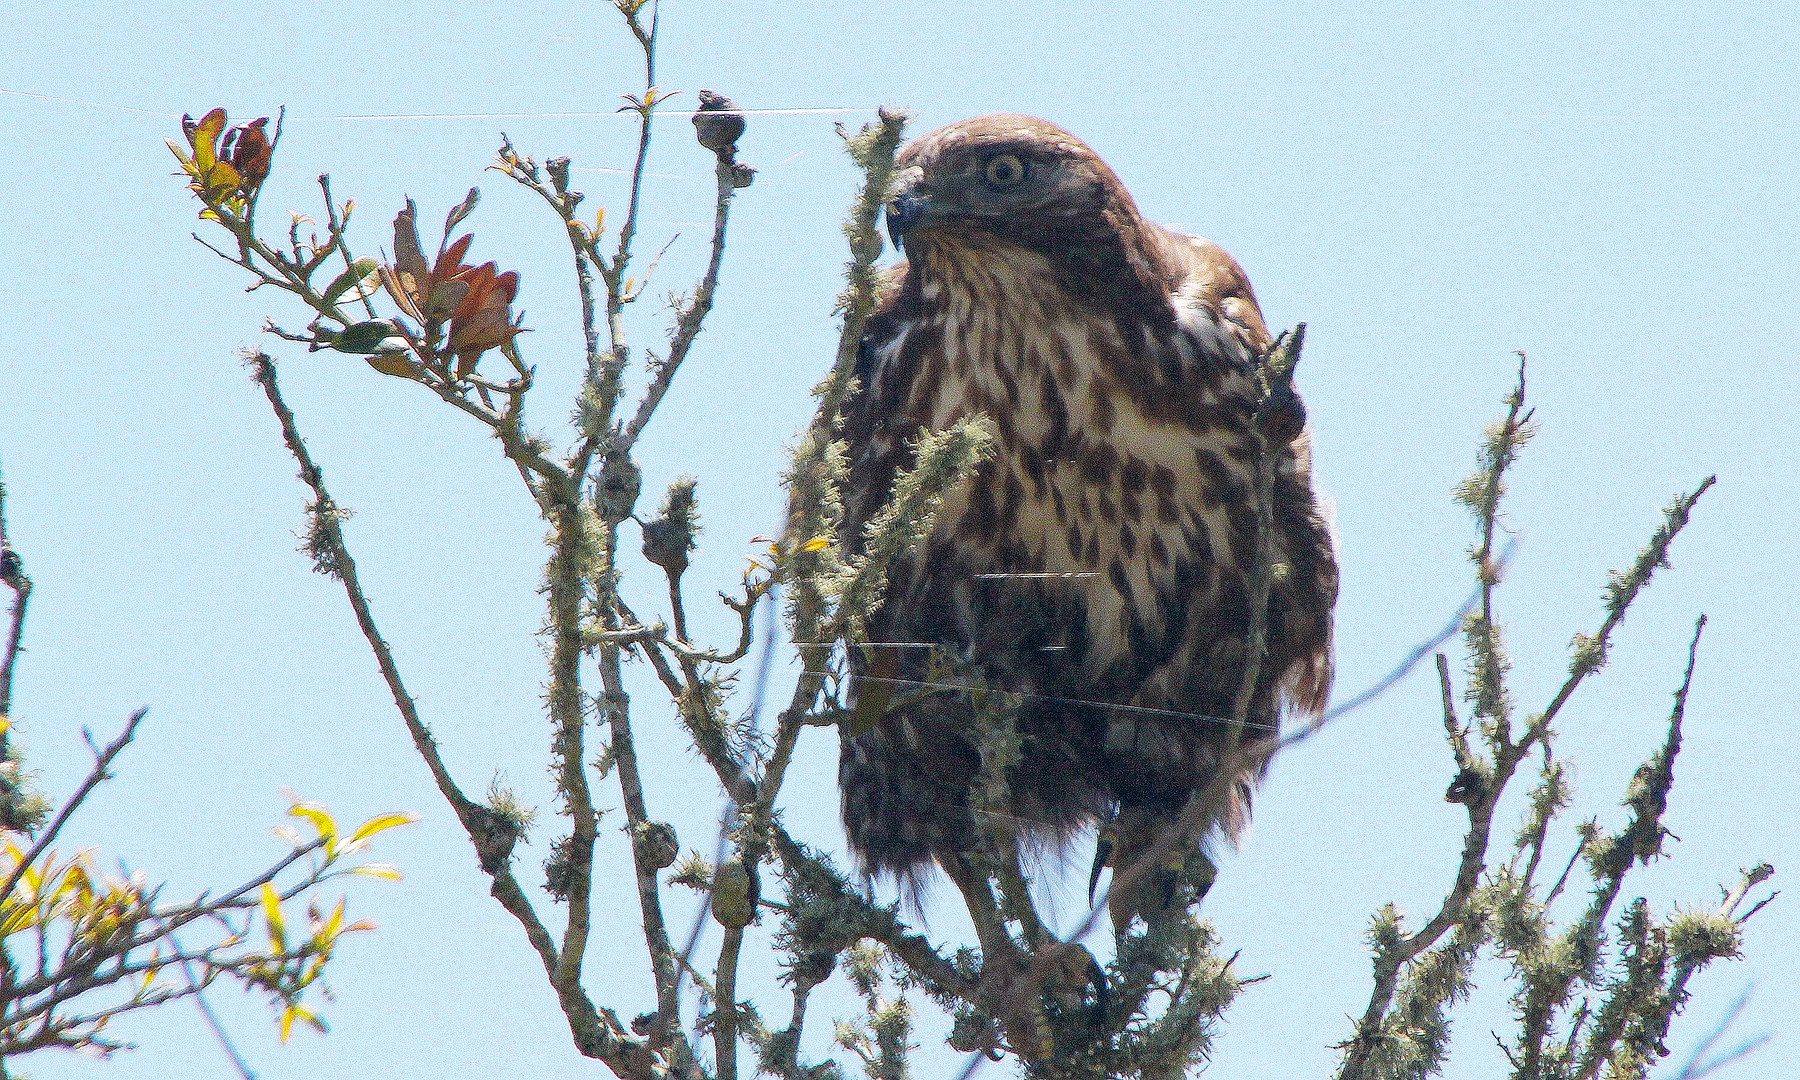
1095, 568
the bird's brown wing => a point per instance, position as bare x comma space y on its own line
1212, 294
1205, 274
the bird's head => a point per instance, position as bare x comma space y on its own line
966, 192
1019, 177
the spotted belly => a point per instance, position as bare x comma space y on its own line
1090, 510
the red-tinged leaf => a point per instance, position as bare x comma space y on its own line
251, 153
487, 329
445, 298
409, 258
449, 261
400, 288
462, 210
480, 280
506, 286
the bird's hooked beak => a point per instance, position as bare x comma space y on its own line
908, 205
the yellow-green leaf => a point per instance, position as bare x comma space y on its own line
15, 917
320, 818
333, 926
151, 973
288, 1016
396, 365
187, 163
35, 874
221, 177
378, 869
817, 543
380, 823
357, 273
76, 879
206, 138
298, 1012
271, 905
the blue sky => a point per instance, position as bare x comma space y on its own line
1429, 186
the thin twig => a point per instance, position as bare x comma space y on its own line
98, 773
344, 569
666, 976
689, 316
1699, 1065
1411, 660
595, 1035
212, 1019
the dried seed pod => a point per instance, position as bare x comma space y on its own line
670, 535
657, 840
717, 124
617, 491
735, 893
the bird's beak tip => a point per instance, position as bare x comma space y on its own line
903, 212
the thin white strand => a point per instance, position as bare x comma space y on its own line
1609, 118
366, 117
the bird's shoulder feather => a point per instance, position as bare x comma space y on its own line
1203, 277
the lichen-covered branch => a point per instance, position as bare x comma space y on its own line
1404, 1030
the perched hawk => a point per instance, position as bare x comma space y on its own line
1095, 568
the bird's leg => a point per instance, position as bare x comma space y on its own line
1004, 965
1015, 889
1018, 984
1147, 885
984, 909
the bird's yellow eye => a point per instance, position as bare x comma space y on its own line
1004, 170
